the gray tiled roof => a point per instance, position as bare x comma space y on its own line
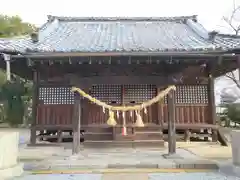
64, 34
227, 40
19, 44
156, 34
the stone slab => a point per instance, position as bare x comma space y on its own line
62, 177
196, 164
132, 176
176, 164
190, 176
123, 176
119, 158
127, 166
166, 165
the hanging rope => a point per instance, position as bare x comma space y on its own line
137, 108
125, 108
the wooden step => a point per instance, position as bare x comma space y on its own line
98, 136
128, 137
139, 136
148, 129
127, 144
148, 143
118, 130
96, 129
148, 136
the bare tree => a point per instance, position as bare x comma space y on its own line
233, 22
232, 76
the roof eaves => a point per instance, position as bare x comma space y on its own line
209, 52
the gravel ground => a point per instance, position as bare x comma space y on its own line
155, 176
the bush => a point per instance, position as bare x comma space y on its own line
233, 112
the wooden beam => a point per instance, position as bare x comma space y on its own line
171, 123
76, 124
156, 80
33, 135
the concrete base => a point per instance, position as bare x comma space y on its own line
236, 147
11, 172
229, 169
172, 156
75, 157
236, 171
9, 166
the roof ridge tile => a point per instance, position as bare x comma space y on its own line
173, 18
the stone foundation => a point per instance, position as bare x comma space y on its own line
9, 166
236, 147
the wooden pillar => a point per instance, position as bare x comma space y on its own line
212, 107
33, 136
59, 136
171, 123
187, 135
76, 124
7, 59
159, 109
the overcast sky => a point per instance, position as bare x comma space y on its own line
210, 12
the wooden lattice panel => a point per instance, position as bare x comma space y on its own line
56, 95
192, 94
138, 93
107, 93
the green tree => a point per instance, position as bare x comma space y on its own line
3, 102
14, 26
15, 96
233, 112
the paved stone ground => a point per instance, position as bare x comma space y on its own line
139, 176
200, 149
189, 152
208, 150
61, 159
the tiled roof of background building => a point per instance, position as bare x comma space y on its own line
18, 44
227, 41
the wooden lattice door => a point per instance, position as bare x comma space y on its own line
136, 94
110, 94
121, 95
55, 106
192, 104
